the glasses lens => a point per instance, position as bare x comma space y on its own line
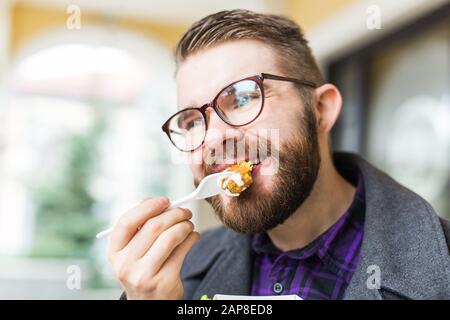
240, 103
187, 129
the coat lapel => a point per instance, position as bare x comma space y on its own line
403, 242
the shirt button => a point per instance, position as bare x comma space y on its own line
277, 288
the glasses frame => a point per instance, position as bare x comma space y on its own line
258, 79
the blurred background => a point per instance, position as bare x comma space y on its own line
85, 87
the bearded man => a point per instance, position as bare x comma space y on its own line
314, 223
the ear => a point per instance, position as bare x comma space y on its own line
329, 105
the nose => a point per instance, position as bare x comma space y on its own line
219, 132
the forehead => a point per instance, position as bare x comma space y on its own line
202, 75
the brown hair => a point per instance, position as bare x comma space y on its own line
284, 35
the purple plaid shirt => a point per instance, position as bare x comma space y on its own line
322, 269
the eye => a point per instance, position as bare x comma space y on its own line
242, 99
189, 124
189, 120
243, 96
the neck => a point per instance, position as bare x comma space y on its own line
330, 198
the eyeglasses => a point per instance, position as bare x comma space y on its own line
238, 104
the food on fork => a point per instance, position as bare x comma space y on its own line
240, 180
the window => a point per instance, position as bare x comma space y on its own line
80, 143
397, 106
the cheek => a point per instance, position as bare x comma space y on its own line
286, 120
277, 129
279, 114
287, 125
195, 162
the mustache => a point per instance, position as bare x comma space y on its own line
233, 151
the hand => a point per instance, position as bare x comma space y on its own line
147, 249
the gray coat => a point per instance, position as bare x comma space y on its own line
404, 240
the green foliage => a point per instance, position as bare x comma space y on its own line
65, 225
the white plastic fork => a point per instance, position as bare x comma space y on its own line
208, 187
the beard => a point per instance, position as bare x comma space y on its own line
258, 209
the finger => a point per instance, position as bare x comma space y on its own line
165, 244
128, 224
151, 230
175, 261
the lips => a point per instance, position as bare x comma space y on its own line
260, 165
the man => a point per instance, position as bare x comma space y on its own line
321, 225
